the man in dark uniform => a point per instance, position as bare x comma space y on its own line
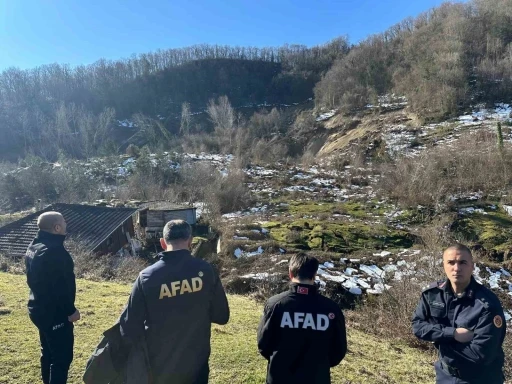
176, 300
465, 321
51, 302
302, 333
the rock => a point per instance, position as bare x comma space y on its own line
338, 279
390, 268
356, 291
378, 289
372, 270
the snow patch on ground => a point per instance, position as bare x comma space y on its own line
326, 115
501, 111
239, 253
471, 210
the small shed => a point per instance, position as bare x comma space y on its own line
153, 217
100, 230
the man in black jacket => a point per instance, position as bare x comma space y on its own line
302, 333
51, 302
173, 304
465, 321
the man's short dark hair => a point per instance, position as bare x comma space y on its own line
303, 267
459, 248
177, 230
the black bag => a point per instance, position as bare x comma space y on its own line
108, 361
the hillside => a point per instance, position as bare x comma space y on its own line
444, 62
234, 357
372, 157
57, 106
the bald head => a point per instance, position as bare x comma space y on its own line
52, 222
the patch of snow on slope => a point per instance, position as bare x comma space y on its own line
326, 115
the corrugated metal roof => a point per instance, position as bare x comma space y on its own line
88, 224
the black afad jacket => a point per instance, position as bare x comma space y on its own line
302, 335
51, 280
173, 304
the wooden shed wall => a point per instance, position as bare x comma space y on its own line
117, 239
158, 218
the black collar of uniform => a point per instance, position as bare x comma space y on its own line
469, 292
51, 237
166, 255
303, 289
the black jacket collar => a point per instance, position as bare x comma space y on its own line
47, 237
303, 289
469, 292
173, 254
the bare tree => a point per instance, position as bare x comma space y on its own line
185, 119
151, 129
222, 115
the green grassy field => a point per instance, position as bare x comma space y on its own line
234, 359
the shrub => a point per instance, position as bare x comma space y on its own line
46, 183
265, 124
507, 347
208, 143
221, 193
104, 267
12, 265
133, 150
471, 164
265, 288
389, 314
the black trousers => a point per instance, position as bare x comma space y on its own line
56, 352
443, 377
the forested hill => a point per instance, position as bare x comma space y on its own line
443, 61
42, 105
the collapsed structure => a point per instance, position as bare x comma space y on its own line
99, 229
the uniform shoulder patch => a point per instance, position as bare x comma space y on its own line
498, 321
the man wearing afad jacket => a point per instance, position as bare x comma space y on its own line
176, 299
302, 333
